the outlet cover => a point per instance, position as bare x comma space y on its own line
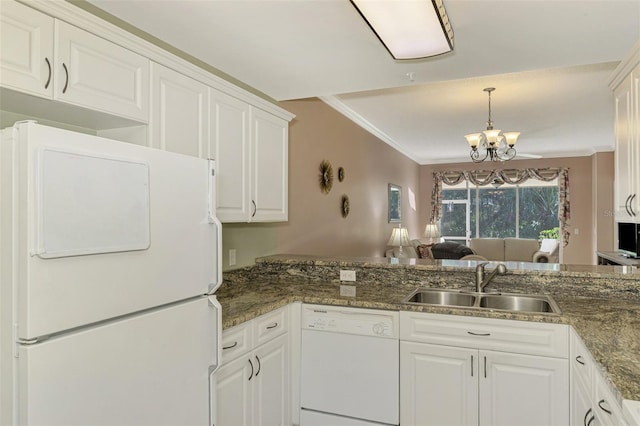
232, 257
348, 290
347, 275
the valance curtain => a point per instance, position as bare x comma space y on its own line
512, 176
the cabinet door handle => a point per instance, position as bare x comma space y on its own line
66, 81
471, 365
485, 367
259, 365
590, 421
274, 325
46, 85
230, 346
584, 422
630, 206
602, 408
579, 360
255, 208
626, 205
251, 364
478, 334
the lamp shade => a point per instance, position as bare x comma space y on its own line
431, 231
399, 237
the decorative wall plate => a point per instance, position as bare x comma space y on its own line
326, 176
345, 205
340, 174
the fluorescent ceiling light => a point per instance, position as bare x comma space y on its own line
409, 29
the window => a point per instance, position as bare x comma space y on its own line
520, 211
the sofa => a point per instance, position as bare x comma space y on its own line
495, 249
515, 249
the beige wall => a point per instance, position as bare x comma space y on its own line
315, 224
583, 190
603, 211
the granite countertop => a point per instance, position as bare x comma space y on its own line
610, 328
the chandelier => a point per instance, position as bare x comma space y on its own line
491, 143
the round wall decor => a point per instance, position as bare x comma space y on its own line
326, 176
345, 205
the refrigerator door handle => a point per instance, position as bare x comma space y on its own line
212, 219
214, 304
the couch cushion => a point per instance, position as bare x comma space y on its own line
520, 249
491, 248
450, 250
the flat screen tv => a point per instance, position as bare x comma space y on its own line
628, 239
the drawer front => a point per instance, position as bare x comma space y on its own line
270, 325
236, 341
582, 363
524, 337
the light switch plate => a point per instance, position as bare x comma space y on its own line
347, 275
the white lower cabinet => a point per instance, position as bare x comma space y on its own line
464, 383
592, 402
253, 383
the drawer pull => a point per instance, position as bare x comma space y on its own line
230, 346
602, 408
274, 325
580, 360
478, 334
485, 367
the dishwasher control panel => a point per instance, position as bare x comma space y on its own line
363, 322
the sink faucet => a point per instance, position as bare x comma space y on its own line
481, 281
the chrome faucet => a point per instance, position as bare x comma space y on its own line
481, 281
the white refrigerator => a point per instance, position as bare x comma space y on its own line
110, 257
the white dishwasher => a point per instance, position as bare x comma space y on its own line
350, 366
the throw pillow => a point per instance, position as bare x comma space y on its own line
424, 251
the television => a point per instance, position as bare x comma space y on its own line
629, 239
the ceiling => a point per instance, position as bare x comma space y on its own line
549, 61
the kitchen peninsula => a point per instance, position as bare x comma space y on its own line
601, 303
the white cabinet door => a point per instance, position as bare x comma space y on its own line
92, 72
234, 393
624, 149
581, 409
26, 44
229, 146
523, 390
271, 383
270, 152
438, 385
179, 113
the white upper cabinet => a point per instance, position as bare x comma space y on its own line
95, 73
229, 146
86, 70
251, 150
179, 113
270, 159
625, 83
26, 43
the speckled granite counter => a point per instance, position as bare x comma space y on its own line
602, 303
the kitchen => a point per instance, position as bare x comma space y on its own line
265, 238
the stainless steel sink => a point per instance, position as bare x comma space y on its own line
441, 297
530, 303
518, 303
